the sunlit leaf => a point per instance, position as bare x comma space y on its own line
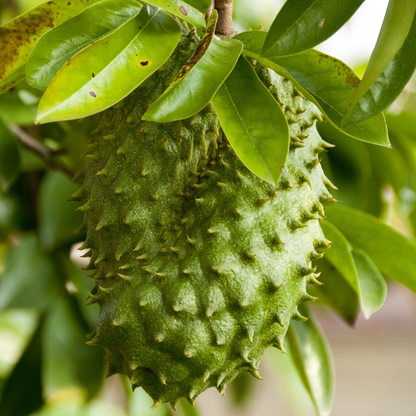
303, 24
18, 36
55, 47
392, 252
108, 70
200, 78
325, 80
373, 288
180, 9
253, 122
312, 357
391, 65
9, 158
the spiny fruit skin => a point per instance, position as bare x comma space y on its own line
199, 265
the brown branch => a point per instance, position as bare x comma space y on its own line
209, 11
225, 25
39, 149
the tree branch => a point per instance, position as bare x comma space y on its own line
39, 149
225, 25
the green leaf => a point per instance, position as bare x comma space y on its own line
55, 230
391, 65
253, 122
393, 253
14, 110
67, 362
337, 292
325, 80
312, 357
22, 393
9, 158
340, 255
201, 5
199, 79
108, 70
18, 36
180, 9
29, 279
55, 47
187, 409
373, 287
303, 24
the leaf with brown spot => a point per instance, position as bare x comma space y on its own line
117, 63
180, 9
18, 37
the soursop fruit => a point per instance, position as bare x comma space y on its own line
199, 264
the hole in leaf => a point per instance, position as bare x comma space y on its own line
144, 63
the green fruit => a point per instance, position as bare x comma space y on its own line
199, 264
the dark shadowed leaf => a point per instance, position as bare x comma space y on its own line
373, 288
337, 292
106, 71
9, 158
22, 393
253, 122
201, 5
393, 253
57, 216
67, 362
18, 36
391, 65
312, 357
55, 47
303, 24
325, 80
187, 409
29, 279
180, 9
199, 79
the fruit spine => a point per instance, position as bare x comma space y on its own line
199, 265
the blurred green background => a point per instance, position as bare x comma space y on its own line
45, 366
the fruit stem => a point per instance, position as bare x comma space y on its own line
225, 25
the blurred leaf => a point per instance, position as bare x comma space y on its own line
13, 110
350, 166
16, 330
57, 217
373, 288
55, 47
391, 65
180, 9
241, 389
303, 24
29, 279
325, 80
199, 79
201, 5
337, 292
140, 404
22, 393
125, 54
393, 253
340, 255
312, 357
253, 122
188, 409
9, 158
69, 364
18, 36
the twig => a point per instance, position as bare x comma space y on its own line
39, 149
209, 11
225, 25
